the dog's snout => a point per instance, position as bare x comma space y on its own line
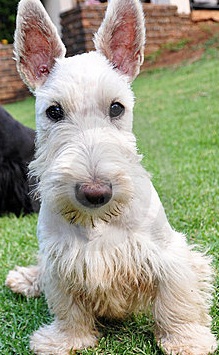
93, 195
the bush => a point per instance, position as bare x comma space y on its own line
8, 10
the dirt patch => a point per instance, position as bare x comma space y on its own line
187, 50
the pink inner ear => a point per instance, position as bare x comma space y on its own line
38, 57
123, 45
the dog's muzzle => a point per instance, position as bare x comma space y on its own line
94, 194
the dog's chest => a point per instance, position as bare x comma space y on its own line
112, 280
107, 271
123, 295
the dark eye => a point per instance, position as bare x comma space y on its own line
116, 109
55, 113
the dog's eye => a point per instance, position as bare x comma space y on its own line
55, 113
116, 109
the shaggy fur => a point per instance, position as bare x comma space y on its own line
106, 247
16, 151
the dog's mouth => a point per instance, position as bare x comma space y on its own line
90, 217
95, 202
89, 202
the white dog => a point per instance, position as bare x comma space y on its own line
106, 247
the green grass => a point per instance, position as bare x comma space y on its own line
23, 111
177, 127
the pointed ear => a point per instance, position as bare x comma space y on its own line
121, 37
37, 43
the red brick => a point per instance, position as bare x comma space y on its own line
163, 23
11, 86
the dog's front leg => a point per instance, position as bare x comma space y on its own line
181, 305
72, 329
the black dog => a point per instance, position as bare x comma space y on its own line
16, 151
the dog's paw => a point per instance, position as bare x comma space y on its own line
24, 280
50, 340
186, 344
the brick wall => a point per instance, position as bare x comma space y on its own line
11, 86
163, 24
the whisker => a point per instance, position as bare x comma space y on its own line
72, 220
92, 221
104, 220
117, 209
113, 213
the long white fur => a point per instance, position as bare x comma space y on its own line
124, 256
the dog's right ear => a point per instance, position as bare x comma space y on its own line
37, 43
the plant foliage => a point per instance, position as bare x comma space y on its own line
8, 10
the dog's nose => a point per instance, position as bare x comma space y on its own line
93, 195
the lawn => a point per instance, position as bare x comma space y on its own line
177, 128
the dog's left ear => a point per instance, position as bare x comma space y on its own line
37, 44
121, 37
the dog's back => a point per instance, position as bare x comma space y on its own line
16, 151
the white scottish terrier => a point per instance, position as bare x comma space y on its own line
106, 247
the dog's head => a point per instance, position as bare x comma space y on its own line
84, 104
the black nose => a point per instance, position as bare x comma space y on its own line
93, 195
